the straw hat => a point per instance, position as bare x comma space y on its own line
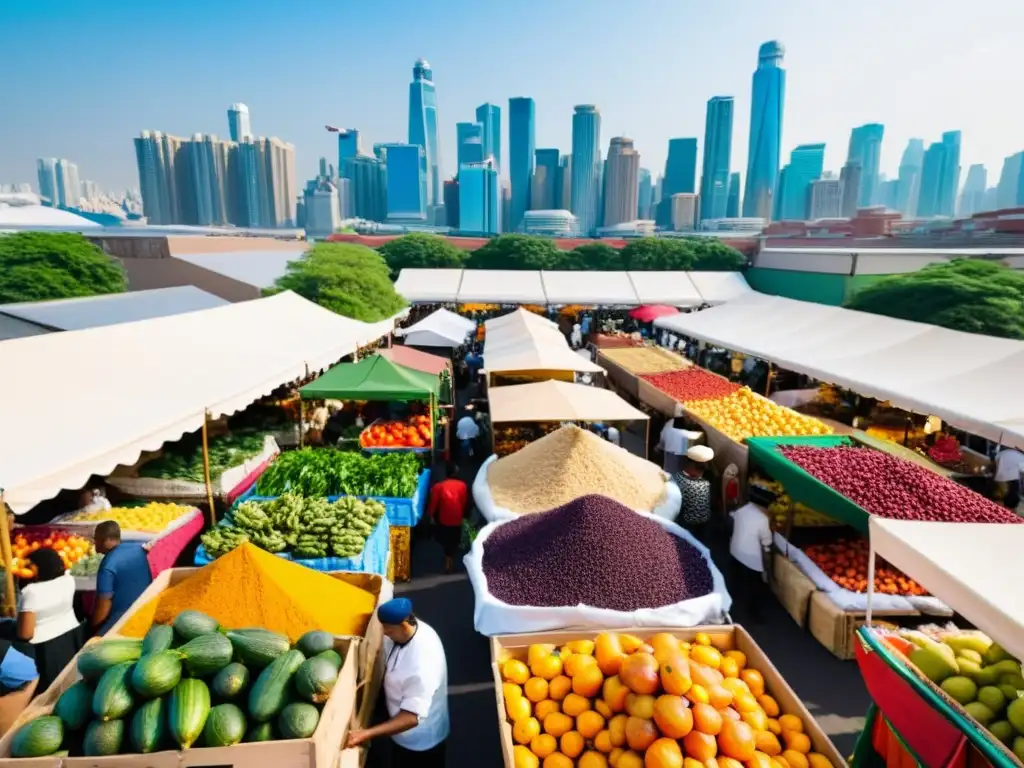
701, 454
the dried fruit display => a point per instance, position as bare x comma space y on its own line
846, 562
691, 384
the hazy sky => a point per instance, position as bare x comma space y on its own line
80, 78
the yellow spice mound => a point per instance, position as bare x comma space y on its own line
248, 587
569, 463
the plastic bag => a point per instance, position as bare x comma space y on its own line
492, 616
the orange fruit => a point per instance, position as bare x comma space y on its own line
538, 651
522, 757
818, 760
614, 755
588, 681
640, 706
779, 762
795, 759
796, 741
615, 693
719, 696
602, 708
577, 663
672, 716
592, 759
702, 638
511, 691
729, 667
629, 759
706, 655
663, 753
730, 713
575, 705
736, 740
518, 708
525, 729
700, 746
557, 760
759, 760
698, 694
756, 719
707, 719
514, 671
536, 689
585, 647
557, 723
589, 724
769, 705
754, 681
640, 733
689, 762
544, 708
739, 656
571, 744
630, 643
543, 744
603, 741
767, 742
558, 687
745, 702
774, 727
734, 685
791, 723
617, 730
547, 666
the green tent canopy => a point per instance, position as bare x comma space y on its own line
374, 378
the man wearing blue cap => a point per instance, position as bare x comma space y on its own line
415, 690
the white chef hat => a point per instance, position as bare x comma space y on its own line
691, 435
702, 454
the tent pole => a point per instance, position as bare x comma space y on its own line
768, 380
10, 602
871, 577
206, 468
302, 420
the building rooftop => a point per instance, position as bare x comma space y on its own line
41, 217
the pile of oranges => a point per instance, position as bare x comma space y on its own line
665, 703
70, 547
414, 433
846, 562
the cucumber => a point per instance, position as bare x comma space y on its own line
332, 656
315, 642
113, 698
224, 727
230, 681
103, 738
156, 674
298, 721
261, 732
315, 679
74, 707
270, 692
206, 654
97, 659
38, 738
149, 726
257, 647
159, 638
187, 712
191, 624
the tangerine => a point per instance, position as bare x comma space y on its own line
767, 742
602, 708
629, 759
739, 656
571, 744
525, 729
511, 691
796, 741
736, 740
672, 716
557, 760
754, 681
589, 724
791, 723
548, 666
544, 708
557, 723
617, 730
575, 705
640, 706
615, 693
536, 689
818, 760
706, 655
663, 753
522, 757
700, 746
640, 733
518, 708
795, 759
543, 744
559, 686
769, 705
588, 681
707, 719
592, 759
603, 741
514, 671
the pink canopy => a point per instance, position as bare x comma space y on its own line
651, 312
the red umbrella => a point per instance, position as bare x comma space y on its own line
651, 312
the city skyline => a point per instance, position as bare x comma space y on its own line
826, 95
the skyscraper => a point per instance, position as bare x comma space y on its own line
950, 180
479, 198
489, 117
714, 180
765, 145
406, 182
368, 187
563, 184
931, 180
348, 145
909, 186
866, 150
586, 167
644, 195
680, 176
974, 191
544, 195
58, 182
208, 166
849, 179
423, 129
451, 203
156, 154
238, 122
267, 184
469, 142
1011, 181
621, 182
826, 199
521, 146
805, 166
732, 206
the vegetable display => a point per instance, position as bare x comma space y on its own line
184, 460
88, 565
414, 433
321, 472
70, 547
691, 384
946, 451
151, 518
890, 487
846, 562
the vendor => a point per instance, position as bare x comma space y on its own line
415, 689
695, 489
674, 442
123, 576
1009, 466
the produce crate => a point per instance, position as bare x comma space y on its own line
504, 647
836, 629
86, 528
401, 552
793, 589
398, 448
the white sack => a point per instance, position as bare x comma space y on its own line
494, 617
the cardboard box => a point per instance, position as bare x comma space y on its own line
834, 628
792, 587
504, 647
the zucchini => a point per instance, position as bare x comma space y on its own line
38, 738
298, 721
103, 738
261, 732
149, 726
97, 659
74, 707
332, 656
206, 654
230, 681
270, 692
315, 679
224, 727
257, 647
187, 712
159, 638
156, 674
113, 698
191, 624
315, 642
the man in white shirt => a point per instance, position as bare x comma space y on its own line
415, 690
750, 548
466, 432
613, 436
1009, 466
674, 443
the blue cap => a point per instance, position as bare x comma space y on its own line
395, 611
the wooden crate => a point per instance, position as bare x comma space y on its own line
834, 628
401, 552
792, 588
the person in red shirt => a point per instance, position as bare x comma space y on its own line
447, 508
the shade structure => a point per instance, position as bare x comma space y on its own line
588, 288
965, 379
429, 286
372, 378
651, 312
522, 317
501, 286
719, 287
559, 401
675, 289
418, 361
81, 403
524, 341
966, 565
438, 329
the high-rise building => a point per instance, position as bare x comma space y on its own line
805, 165
489, 117
910, 178
238, 122
684, 211
506, 206
621, 182
1011, 181
644, 195
765, 145
971, 199
988, 202
940, 176
90, 190
521, 147
826, 199
322, 208
479, 199
714, 179
423, 129
367, 178
267, 167
950, 181
866, 151
208, 172
732, 206
59, 184
469, 143
888, 193
563, 184
406, 182
451, 203
156, 155
544, 194
348, 145
849, 179
586, 168
680, 176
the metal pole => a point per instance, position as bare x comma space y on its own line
10, 602
206, 468
871, 576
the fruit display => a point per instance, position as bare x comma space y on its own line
660, 702
946, 451
691, 384
745, 414
646, 360
975, 672
182, 690
846, 562
88, 565
70, 547
890, 487
184, 460
154, 517
306, 528
320, 472
511, 438
414, 433
783, 506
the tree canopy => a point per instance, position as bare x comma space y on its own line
657, 253
711, 255
420, 250
346, 278
591, 256
38, 266
515, 252
964, 295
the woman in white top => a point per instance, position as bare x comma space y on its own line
46, 618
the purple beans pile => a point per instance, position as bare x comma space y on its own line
592, 551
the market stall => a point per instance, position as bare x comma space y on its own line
522, 347
442, 328
429, 286
624, 366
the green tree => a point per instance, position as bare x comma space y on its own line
592, 256
346, 278
658, 253
712, 255
420, 250
515, 252
965, 295
37, 266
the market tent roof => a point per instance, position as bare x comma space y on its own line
501, 286
438, 329
965, 379
559, 401
719, 287
429, 286
418, 361
965, 565
119, 390
372, 378
523, 317
586, 287
257, 267
675, 289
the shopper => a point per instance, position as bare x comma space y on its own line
750, 548
46, 619
467, 431
446, 508
696, 490
1009, 466
123, 576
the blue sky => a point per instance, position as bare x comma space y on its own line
82, 77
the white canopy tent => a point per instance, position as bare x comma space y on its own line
584, 287
165, 375
966, 565
559, 401
429, 286
965, 379
673, 289
719, 287
441, 328
520, 317
523, 341
501, 286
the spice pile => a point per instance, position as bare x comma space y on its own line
569, 463
330, 472
646, 360
592, 551
691, 384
